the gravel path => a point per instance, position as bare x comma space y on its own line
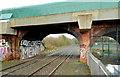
73, 67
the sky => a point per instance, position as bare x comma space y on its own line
19, 3
66, 34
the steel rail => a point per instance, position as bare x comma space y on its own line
48, 64
20, 68
43, 66
53, 71
16, 65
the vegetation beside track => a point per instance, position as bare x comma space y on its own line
49, 50
54, 43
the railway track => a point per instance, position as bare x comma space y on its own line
25, 65
15, 65
19, 66
53, 71
33, 67
48, 65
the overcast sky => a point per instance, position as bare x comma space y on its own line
18, 3
57, 35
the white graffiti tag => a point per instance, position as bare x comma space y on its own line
29, 48
82, 51
4, 47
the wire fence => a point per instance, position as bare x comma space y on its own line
0, 68
96, 66
106, 47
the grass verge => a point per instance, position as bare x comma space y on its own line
49, 50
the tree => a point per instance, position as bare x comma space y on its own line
52, 42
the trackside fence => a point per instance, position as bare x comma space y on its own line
96, 66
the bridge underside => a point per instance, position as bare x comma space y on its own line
38, 32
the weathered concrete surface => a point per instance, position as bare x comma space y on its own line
100, 14
85, 21
5, 28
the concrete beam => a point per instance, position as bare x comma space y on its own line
5, 28
99, 14
85, 21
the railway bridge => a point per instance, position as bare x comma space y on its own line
27, 26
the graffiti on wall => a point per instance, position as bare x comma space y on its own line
4, 49
82, 52
30, 48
